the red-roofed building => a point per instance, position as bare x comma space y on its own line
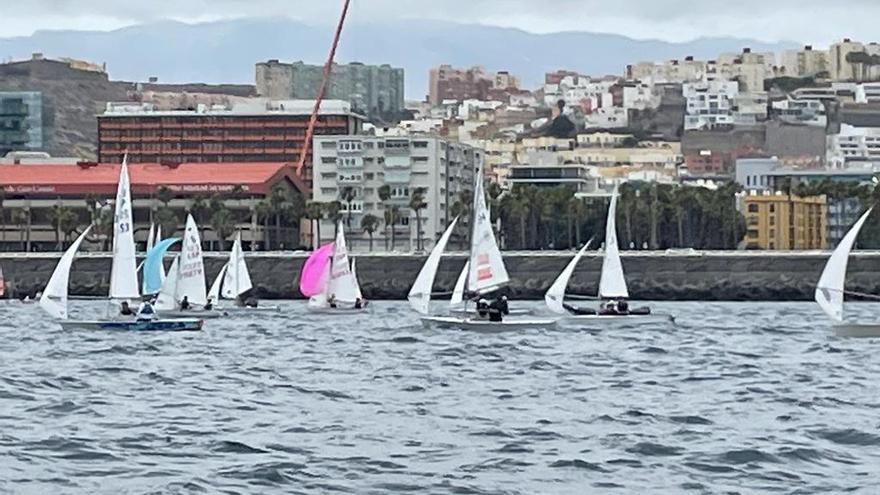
33, 194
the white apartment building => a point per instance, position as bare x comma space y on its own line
709, 104
868, 93
640, 96
607, 118
574, 89
807, 112
672, 71
854, 144
442, 169
806, 62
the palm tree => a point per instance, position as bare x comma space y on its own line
69, 223
384, 192
417, 204
60, 217
224, 225
392, 214
20, 217
164, 218
315, 212
369, 224
334, 214
277, 199
347, 196
164, 194
264, 212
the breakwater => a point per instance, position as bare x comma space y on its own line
679, 276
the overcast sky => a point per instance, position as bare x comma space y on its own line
810, 21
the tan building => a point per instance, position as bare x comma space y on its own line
782, 222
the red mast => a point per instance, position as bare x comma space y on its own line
327, 68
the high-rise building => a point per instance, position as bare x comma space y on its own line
21, 121
376, 91
784, 222
257, 131
450, 83
443, 170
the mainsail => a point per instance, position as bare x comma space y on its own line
830, 289
420, 294
123, 273
191, 272
342, 285
486, 269
54, 298
612, 283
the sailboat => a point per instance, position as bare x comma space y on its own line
328, 280
456, 302
486, 273
186, 279
123, 276
830, 290
233, 281
612, 282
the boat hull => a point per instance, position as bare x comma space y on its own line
486, 326
159, 325
194, 314
460, 312
238, 310
611, 320
864, 331
337, 311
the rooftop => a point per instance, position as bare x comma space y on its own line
251, 107
146, 178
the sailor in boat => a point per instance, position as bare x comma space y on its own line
578, 311
184, 304
332, 300
503, 306
209, 305
360, 303
146, 312
482, 308
251, 302
126, 310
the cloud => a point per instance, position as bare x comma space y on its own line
811, 21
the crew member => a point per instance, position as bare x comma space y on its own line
125, 310
209, 305
145, 312
251, 302
332, 300
184, 304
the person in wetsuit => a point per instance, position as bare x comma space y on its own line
252, 302
184, 304
209, 305
482, 308
125, 310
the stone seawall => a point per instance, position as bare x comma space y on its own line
731, 276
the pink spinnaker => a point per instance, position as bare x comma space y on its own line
313, 274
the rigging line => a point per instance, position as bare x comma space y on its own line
328, 67
853, 293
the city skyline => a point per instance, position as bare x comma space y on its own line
669, 20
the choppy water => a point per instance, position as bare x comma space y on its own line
737, 398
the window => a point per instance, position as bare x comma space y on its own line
753, 208
420, 159
420, 144
772, 208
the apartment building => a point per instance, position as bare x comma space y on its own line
442, 169
784, 222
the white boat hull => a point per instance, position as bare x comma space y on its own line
337, 311
195, 313
483, 325
157, 325
461, 312
868, 330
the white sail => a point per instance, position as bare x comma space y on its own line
157, 240
54, 298
151, 237
123, 273
191, 273
458, 291
612, 283
486, 270
556, 293
829, 290
354, 275
420, 294
166, 298
238, 279
214, 292
342, 285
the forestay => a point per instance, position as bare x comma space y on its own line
420, 294
123, 273
612, 284
54, 298
830, 289
556, 293
237, 280
486, 271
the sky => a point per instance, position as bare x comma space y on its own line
809, 21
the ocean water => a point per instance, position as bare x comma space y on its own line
734, 398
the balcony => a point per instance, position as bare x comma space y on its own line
349, 178
349, 147
356, 207
397, 147
351, 162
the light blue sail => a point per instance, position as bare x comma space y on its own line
154, 270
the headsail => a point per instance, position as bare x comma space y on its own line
556, 293
354, 275
486, 271
167, 295
151, 237
342, 284
612, 283
214, 293
420, 294
154, 269
314, 275
123, 273
237, 280
191, 274
458, 291
54, 298
829, 290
